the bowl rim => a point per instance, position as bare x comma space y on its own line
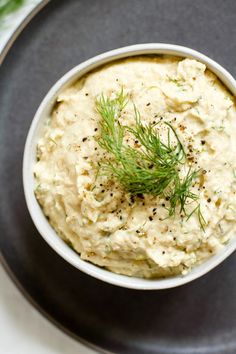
29, 157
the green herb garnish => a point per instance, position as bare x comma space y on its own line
37, 188
177, 82
234, 173
9, 6
153, 167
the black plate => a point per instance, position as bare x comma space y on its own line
197, 318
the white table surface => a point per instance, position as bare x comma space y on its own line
23, 330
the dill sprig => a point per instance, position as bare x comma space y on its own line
153, 168
112, 130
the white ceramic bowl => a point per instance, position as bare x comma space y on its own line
43, 113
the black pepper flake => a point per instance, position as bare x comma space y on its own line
203, 142
148, 104
174, 238
100, 184
150, 218
163, 252
143, 203
84, 139
103, 190
140, 195
209, 200
163, 204
132, 199
111, 194
136, 141
95, 148
95, 129
150, 166
138, 232
86, 94
154, 209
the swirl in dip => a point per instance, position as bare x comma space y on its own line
106, 224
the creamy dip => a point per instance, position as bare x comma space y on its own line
94, 214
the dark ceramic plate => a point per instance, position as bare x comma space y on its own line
196, 318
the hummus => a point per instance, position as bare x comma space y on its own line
134, 235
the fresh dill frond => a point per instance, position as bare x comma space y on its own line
112, 130
201, 218
181, 193
153, 167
